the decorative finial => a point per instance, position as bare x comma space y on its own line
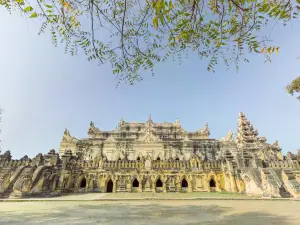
91, 124
276, 144
150, 119
66, 132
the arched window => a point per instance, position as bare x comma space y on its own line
138, 158
212, 183
119, 159
158, 158
159, 183
184, 183
177, 159
83, 183
135, 183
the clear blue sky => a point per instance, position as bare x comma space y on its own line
43, 91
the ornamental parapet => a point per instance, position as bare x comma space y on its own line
284, 164
173, 164
123, 164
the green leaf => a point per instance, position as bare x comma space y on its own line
155, 22
28, 9
33, 15
49, 6
162, 19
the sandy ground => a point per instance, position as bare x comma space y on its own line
190, 212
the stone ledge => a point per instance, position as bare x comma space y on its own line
147, 199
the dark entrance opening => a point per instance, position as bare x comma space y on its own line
135, 183
138, 159
83, 183
184, 183
264, 164
212, 183
158, 159
110, 186
159, 183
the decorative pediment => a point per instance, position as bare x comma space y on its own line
150, 137
67, 136
229, 137
93, 129
149, 131
204, 131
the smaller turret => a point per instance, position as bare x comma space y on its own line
68, 142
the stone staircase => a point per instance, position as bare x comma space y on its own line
274, 178
291, 183
283, 190
7, 192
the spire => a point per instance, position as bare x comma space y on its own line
67, 133
177, 122
121, 122
246, 135
150, 119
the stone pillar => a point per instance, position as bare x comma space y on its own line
153, 186
128, 185
114, 186
164, 186
233, 184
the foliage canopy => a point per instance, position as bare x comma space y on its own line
134, 35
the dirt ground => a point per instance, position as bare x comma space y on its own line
190, 212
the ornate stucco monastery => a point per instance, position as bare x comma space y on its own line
155, 157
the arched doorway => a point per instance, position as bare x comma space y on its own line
158, 159
212, 183
109, 187
184, 183
159, 186
135, 183
83, 183
159, 183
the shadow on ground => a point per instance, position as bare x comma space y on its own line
125, 214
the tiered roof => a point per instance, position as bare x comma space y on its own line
246, 135
165, 129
